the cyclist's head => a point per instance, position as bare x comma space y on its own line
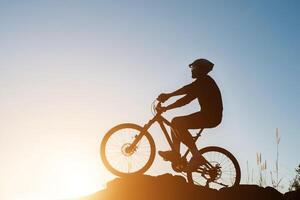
201, 67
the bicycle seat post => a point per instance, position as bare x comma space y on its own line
198, 135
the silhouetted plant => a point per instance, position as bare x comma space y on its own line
295, 183
252, 176
248, 174
276, 182
277, 154
262, 176
262, 167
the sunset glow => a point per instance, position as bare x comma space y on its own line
71, 70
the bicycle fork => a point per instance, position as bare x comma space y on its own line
138, 137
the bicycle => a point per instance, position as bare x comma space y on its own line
129, 149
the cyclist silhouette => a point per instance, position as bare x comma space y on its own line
205, 89
129, 149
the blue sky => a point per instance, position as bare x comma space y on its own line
67, 69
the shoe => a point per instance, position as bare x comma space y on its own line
169, 155
195, 162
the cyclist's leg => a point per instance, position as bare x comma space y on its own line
176, 140
174, 154
193, 121
182, 124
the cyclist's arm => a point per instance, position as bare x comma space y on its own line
181, 102
184, 90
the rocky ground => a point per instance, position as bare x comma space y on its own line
171, 187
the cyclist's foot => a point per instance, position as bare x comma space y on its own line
169, 155
195, 162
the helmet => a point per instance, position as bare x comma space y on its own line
202, 65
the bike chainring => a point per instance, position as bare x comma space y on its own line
179, 166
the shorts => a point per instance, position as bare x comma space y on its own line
197, 120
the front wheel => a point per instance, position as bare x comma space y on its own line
120, 157
222, 169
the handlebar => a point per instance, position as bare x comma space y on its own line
156, 107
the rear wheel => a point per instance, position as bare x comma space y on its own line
223, 169
119, 157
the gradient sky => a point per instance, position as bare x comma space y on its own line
70, 70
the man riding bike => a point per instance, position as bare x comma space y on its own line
205, 89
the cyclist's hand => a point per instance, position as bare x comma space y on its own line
163, 97
161, 109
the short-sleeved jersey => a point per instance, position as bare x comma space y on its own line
208, 94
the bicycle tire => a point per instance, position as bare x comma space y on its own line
191, 176
107, 161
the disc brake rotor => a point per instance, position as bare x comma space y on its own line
213, 173
126, 150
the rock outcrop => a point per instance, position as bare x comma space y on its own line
169, 187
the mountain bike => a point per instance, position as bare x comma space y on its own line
129, 149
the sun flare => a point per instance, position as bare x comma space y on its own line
75, 178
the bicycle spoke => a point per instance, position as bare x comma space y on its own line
220, 183
127, 161
222, 173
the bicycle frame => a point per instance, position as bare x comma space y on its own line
209, 168
161, 121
